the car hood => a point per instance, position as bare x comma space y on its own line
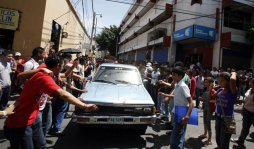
117, 94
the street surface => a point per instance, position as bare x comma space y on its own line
155, 136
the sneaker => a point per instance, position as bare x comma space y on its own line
169, 132
58, 133
67, 115
236, 141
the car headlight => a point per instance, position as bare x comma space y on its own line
147, 110
138, 110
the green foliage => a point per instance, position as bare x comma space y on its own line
107, 38
250, 34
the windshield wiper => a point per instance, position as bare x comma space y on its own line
125, 82
104, 81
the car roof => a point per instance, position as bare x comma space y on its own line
118, 65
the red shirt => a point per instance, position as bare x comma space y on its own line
212, 106
29, 99
193, 86
19, 67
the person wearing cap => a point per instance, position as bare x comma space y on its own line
148, 76
20, 64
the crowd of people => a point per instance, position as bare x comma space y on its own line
214, 91
49, 83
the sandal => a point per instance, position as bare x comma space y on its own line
207, 142
202, 136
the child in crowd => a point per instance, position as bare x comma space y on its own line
199, 87
208, 109
183, 98
227, 95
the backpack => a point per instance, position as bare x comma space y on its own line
21, 81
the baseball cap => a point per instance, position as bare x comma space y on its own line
17, 54
148, 65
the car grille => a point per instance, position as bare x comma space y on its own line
116, 110
108, 110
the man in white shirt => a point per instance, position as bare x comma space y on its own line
5, 81
37, 54
215, 74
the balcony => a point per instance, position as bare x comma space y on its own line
164, 15
144, 9
156, 34
131, 10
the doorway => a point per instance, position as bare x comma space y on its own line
193, 58
6, 38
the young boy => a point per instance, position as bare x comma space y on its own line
183, 98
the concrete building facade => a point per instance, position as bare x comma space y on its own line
211, 32
46, 23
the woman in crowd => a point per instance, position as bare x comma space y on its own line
247, 113
242, 80
208, 109
226, 95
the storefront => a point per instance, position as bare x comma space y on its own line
9, 23
141, 56
160, 55
195, 44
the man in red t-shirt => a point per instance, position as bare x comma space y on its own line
24, 129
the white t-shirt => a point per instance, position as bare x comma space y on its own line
155, 77
182, 92
30, 65
214, 73
191, 66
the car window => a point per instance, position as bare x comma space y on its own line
117, 75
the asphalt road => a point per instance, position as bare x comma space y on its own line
155, 136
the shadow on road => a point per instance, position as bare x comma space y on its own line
194, 143
98, 138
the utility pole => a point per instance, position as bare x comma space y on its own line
91, 42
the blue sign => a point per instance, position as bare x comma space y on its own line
184, 33
204, 32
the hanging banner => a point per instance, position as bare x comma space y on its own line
9, 19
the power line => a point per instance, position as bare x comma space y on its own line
200, 16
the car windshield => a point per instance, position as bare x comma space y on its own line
117, 75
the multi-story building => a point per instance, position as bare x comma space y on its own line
47, 23
211, 32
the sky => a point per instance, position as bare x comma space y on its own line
112, 13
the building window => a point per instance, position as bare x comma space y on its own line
237, 19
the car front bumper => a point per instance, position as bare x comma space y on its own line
120, 120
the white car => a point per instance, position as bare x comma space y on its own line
121, 98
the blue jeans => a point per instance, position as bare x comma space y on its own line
27, 137
242, 89
222, 138
170, 109
248, 120
199, 93
159, 103
46, 118
4, 97
59, 109
177, 137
